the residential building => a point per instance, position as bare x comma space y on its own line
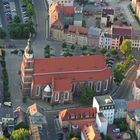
136, 40
136, 86
7, 116
120, 108
138, 10
137, 131
90, 132
106, 105
115, 38
36, 116
102, 123
57, 31
107, 16
66, 14
66, 2
78, 16
64, 77
105, 40
130, 119
133, 114
77, 117
77, 35
20, 116
93, 36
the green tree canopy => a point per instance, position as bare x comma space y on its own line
29, 9
3, 138
87, 94
22, 125
103, 50
2, 33
17, 19
114, 52
64, 45
119, 72
20, 134
125, 47
74, 138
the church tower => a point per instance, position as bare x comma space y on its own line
27, 68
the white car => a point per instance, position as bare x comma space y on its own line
9, 104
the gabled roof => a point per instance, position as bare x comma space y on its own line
76, 68
66, 10
133, 104
64, 115
107, 11
78, 29
121, 30
62, 84
35, 110
90, 132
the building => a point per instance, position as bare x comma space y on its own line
90, 132
57, 80
137, 131
105, 105
102, 123
136, 86
78, 16
77, 117
20, 116
36, 116
115, 37
7, 116
120, 108
66, 2
107, 16
77, 35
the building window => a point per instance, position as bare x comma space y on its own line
66, 96
57, 96
98, 86
37, 90
105, 85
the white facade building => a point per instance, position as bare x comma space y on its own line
105, 40
102, 123
106, 105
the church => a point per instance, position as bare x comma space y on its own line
57, 80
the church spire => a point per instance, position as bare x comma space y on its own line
28, 52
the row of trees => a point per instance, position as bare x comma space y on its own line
19, 30
120, 68
5, 78
29, 7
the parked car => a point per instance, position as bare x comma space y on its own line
116, 130
9, 104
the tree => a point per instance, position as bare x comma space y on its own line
72, 47
86, 94
22, 125
2, 33
93, 50
83, 23
3, 138
103, 50
29, 9
119, 72
125, 48
64, 45
74, 138
20, 134
17, 19
114, 52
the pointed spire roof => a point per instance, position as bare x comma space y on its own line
28, 52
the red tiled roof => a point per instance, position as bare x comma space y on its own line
90, 132
76, 68
77, 29
133, 104
64, 115
66, 10
107, 11
121, 30
62, 84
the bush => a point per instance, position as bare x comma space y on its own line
14, 51
24, 99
